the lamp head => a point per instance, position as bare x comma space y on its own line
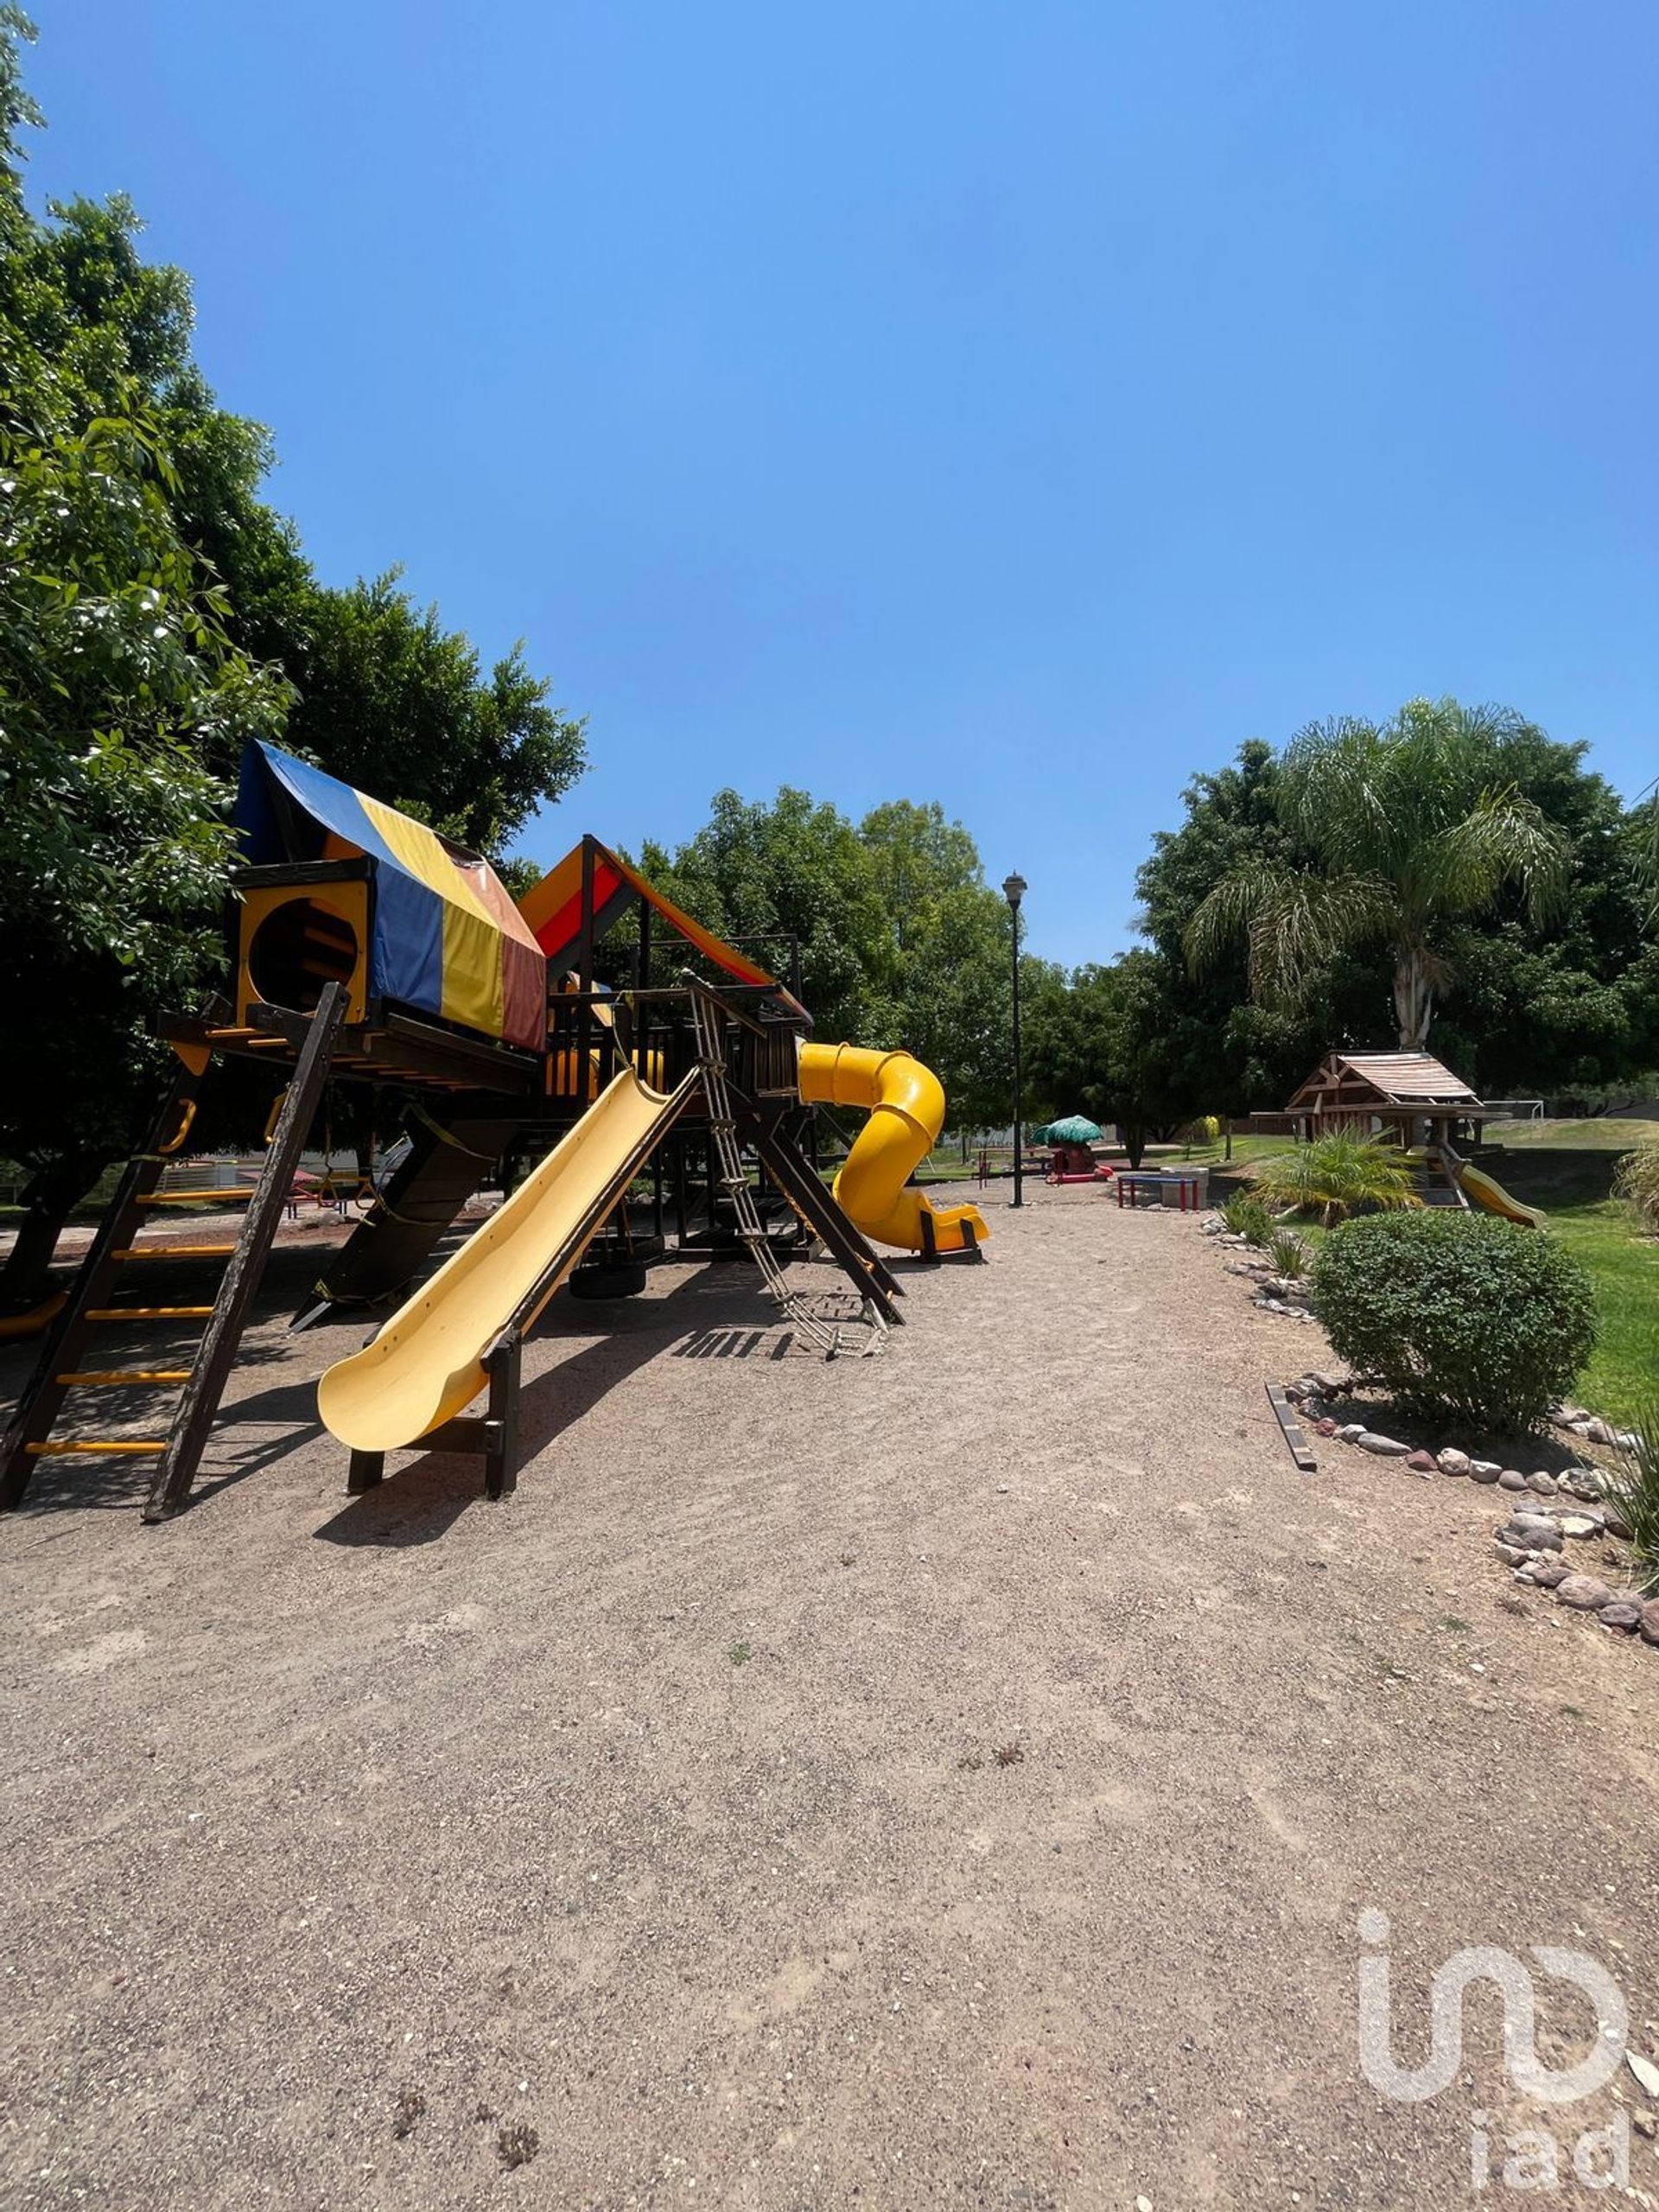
1014, 890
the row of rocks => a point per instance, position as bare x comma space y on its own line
1575, 1421
1313, 1393
1533, 1543
1534, 1538
1527, 1531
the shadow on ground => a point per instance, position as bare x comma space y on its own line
419, 1502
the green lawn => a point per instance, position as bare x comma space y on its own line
1566, 1168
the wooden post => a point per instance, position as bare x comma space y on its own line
501, 1451
585, 942
367, 1468
642, 951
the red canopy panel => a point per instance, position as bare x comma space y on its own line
553, 910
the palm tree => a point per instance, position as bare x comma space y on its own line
1410, 826
1338, 1173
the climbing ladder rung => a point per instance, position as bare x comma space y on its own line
81, 1446
148, 1313
219, 1326
174, 1252
122, 1377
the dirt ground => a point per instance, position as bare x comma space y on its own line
952, 1778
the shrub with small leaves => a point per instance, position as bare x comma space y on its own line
1456, 1315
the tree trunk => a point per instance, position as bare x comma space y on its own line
1135, 1143
51, 1194
1413, 1002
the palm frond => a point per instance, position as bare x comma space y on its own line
1293, 923
1332, 783
1503, 839
1226, 913
1308, 921
1336, 1175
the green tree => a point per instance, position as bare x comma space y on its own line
130, 491
1560, 1006
950, 932
1243, 1055
1412, 826
118, 680
796, 870
1116, 1043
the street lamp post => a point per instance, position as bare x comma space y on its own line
1014, 890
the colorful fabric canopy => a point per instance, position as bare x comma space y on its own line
553, 910
446, 939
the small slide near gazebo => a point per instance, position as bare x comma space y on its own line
1491, 1195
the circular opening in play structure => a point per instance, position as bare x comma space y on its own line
297, 949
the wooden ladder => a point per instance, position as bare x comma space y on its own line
64, 1368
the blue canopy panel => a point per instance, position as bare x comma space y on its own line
447, 938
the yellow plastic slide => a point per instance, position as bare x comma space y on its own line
1495, 1200
906, 1102
427, 1362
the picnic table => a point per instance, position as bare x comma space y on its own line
1134, 1183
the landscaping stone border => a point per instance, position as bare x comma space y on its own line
1560, 1509
1533, 1540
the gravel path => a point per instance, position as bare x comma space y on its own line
947, 1778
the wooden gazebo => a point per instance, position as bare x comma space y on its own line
1409, 1095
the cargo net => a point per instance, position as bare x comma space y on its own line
824, 1331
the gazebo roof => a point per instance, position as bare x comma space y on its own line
1413, 1082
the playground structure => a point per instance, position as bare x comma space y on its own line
1410, 1100
671, 1110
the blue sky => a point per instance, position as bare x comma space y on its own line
1014, 405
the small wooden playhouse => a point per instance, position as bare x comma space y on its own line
1407, 1097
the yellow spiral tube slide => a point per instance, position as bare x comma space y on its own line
906, 1103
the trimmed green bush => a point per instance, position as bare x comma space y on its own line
1456, 1314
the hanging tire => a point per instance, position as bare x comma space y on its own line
609, 1278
